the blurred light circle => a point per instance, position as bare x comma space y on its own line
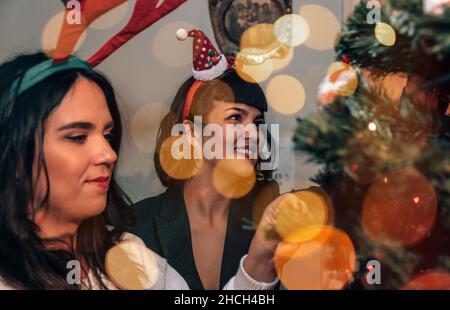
179, 169
385, 34
372, 126
399, 208
282, 59
170, 51
286, 94
131, 266
112, 17
291, 30
303, 241
327, 265
259, 36
432, 280
234, 178
258, 45
145, 124
251, 66
298, 210
323, 24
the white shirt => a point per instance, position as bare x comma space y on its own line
168, 278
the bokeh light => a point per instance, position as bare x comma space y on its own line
184, 168
323, 24
328, 264
400, 208
283, 58
260, 36
170, 51
291, 30
112, 17
432, 280
286, 94
144, 125
131, 266
304, 241
261, 53
298, 210
234, 178
372, 126
51, 33
385, 34
250, 68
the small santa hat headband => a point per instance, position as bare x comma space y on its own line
145, 14
208, 63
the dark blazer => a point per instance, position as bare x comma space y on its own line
163, 224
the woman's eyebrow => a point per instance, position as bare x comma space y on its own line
238, 110
77, 125
109, 125
245, 112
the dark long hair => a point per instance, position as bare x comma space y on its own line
229, 87
25, 260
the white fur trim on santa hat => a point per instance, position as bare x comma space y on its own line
212, 73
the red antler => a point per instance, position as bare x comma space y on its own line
71, 33
146, 13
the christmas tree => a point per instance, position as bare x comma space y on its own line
385, 161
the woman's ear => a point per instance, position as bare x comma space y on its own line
189, 127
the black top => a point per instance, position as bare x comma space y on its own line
163, 224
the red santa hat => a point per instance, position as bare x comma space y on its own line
208, 63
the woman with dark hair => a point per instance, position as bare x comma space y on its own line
60, 134
195, 225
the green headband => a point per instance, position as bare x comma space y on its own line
44, 70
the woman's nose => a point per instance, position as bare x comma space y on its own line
105, 154
250, 132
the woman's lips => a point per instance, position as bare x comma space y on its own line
102, 182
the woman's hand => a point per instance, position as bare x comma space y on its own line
259, 263
282, 218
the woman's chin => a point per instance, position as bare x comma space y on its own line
95, 207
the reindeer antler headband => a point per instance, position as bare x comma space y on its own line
145, 14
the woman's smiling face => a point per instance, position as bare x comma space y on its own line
245, 142
78, 155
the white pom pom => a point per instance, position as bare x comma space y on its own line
182, 34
